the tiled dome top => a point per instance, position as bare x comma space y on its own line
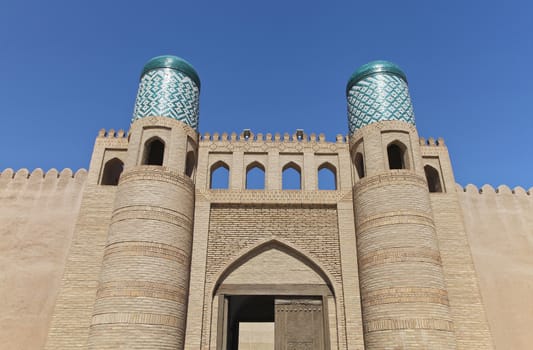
173, 62
373, 68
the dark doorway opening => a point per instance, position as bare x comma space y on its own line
244, 309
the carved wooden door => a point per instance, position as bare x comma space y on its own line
299, 324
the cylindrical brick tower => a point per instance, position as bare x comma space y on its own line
403, 291
142, 296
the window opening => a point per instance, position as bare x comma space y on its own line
396, 156
327, 177
219, 178
154, 152
291, 177
190, 163
112, 170
255, 177
433, 179
359, 165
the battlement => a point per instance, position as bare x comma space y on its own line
9, 175
439, 142
111, 133
249, 136
500, 190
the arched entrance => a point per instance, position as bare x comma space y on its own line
273, 298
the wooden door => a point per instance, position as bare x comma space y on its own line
299, 324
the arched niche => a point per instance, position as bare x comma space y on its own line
274, 263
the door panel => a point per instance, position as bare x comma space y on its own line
299, 324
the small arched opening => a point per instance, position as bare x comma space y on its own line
396, 153
255, 176
291, 177
359, 165
433, 179
219, 176
112, 170
190, 163
154, 152
327, 177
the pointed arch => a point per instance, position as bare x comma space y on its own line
112, 171
255, 176
327, 176
397, 155
359, 164
282, 246
219, 176
433, 179
154, 151
291, 177
190, 164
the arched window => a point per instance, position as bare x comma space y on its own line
433, 179
396, 152
255, 176
327, 177
190, 163
219, 176
291, 177
359, 165
154, 151
112, 170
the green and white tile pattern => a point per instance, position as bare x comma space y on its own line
378, 97
169, 93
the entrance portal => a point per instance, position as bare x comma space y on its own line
267, 322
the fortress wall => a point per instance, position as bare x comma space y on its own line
466, 304
499, 224
37, 216
71, 318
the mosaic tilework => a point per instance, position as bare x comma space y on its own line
379, 97
169, 93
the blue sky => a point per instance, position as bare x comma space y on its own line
70, 68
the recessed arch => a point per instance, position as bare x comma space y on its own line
291, 176
266, 246
359, 164
154, 151
112, 170
190, 163
433, 179
327, 176
219, 176
397, 155
255, 176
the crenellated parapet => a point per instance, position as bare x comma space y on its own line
38, 174
501, 190
249, 137
432, 142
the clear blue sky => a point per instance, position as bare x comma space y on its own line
70, 68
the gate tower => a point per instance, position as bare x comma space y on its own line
403, 291
144, 280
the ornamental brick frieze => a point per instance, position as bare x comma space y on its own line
407, 254
151, 213
137, 318
274, 196
143, 289
405, 295
148, 249
416, 323
157, 173
393, 177
393, 218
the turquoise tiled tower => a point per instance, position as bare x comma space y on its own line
378, 91
169, 87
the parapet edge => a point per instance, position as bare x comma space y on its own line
488, 189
